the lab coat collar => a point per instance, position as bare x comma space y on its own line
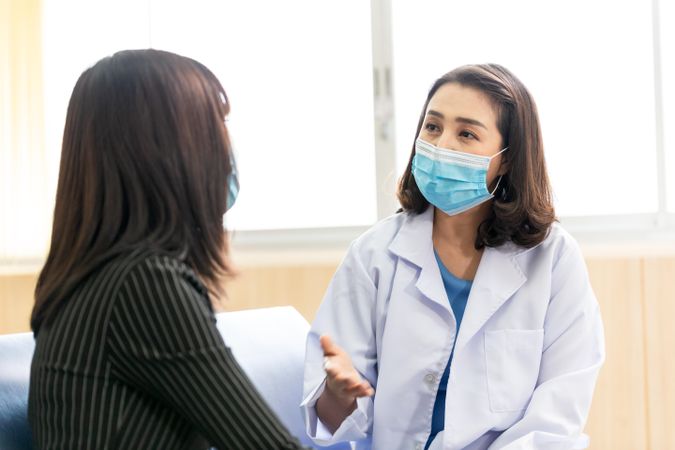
413, 240
498, 276
414, 244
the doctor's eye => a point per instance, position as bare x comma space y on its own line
431, 127
468, 135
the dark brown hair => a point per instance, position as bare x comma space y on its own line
145, 163
522, 211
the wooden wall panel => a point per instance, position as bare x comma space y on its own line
659, 294
618, 414
256, 287
634, 404
16, 302
300, 286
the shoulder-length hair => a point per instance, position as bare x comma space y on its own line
522, 211
145, 163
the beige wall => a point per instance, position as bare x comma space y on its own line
635, 398
16, 301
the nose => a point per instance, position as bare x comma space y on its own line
446, 140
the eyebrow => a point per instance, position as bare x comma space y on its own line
466, 120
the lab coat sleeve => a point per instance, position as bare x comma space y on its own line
347, 315
574, 351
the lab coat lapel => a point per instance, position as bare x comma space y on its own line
414, 244
498, 277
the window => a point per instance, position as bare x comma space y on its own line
76, 34
301, 75
589, 70
667, 51
300, 89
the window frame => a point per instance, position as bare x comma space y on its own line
587, 229
646, 228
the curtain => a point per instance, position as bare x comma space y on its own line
25, 198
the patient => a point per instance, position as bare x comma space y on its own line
127, 352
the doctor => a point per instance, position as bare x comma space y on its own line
465, 321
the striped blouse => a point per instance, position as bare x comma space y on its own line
133, 360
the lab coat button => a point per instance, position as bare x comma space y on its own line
430, 379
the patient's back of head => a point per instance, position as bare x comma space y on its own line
145, 163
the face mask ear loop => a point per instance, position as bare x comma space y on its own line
495, 155
499, 153
499, 180
500, 176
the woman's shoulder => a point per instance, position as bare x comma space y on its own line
160, 268
152, 273
379, 247
560, 240
376, 240
161, 307
384, 232
558, 243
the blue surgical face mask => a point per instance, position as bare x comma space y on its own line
233, 185
450, 180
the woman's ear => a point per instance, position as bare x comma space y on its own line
504, 166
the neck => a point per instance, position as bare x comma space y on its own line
459, 231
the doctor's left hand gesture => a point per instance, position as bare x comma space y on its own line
343, 386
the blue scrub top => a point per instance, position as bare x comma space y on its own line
458, 294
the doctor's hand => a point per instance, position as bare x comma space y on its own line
342, 380
343, 386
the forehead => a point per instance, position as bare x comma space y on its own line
454, 100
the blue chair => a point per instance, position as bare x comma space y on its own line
16, 352
269, 344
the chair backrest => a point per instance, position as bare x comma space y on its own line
269, 344
16, 353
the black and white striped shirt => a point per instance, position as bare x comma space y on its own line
133, 360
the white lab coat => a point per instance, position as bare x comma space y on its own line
526, 357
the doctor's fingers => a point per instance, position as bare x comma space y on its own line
340, 366
329, 347
362, 389
343, 376
349, 386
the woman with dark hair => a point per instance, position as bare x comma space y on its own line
127, 352
466, 320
